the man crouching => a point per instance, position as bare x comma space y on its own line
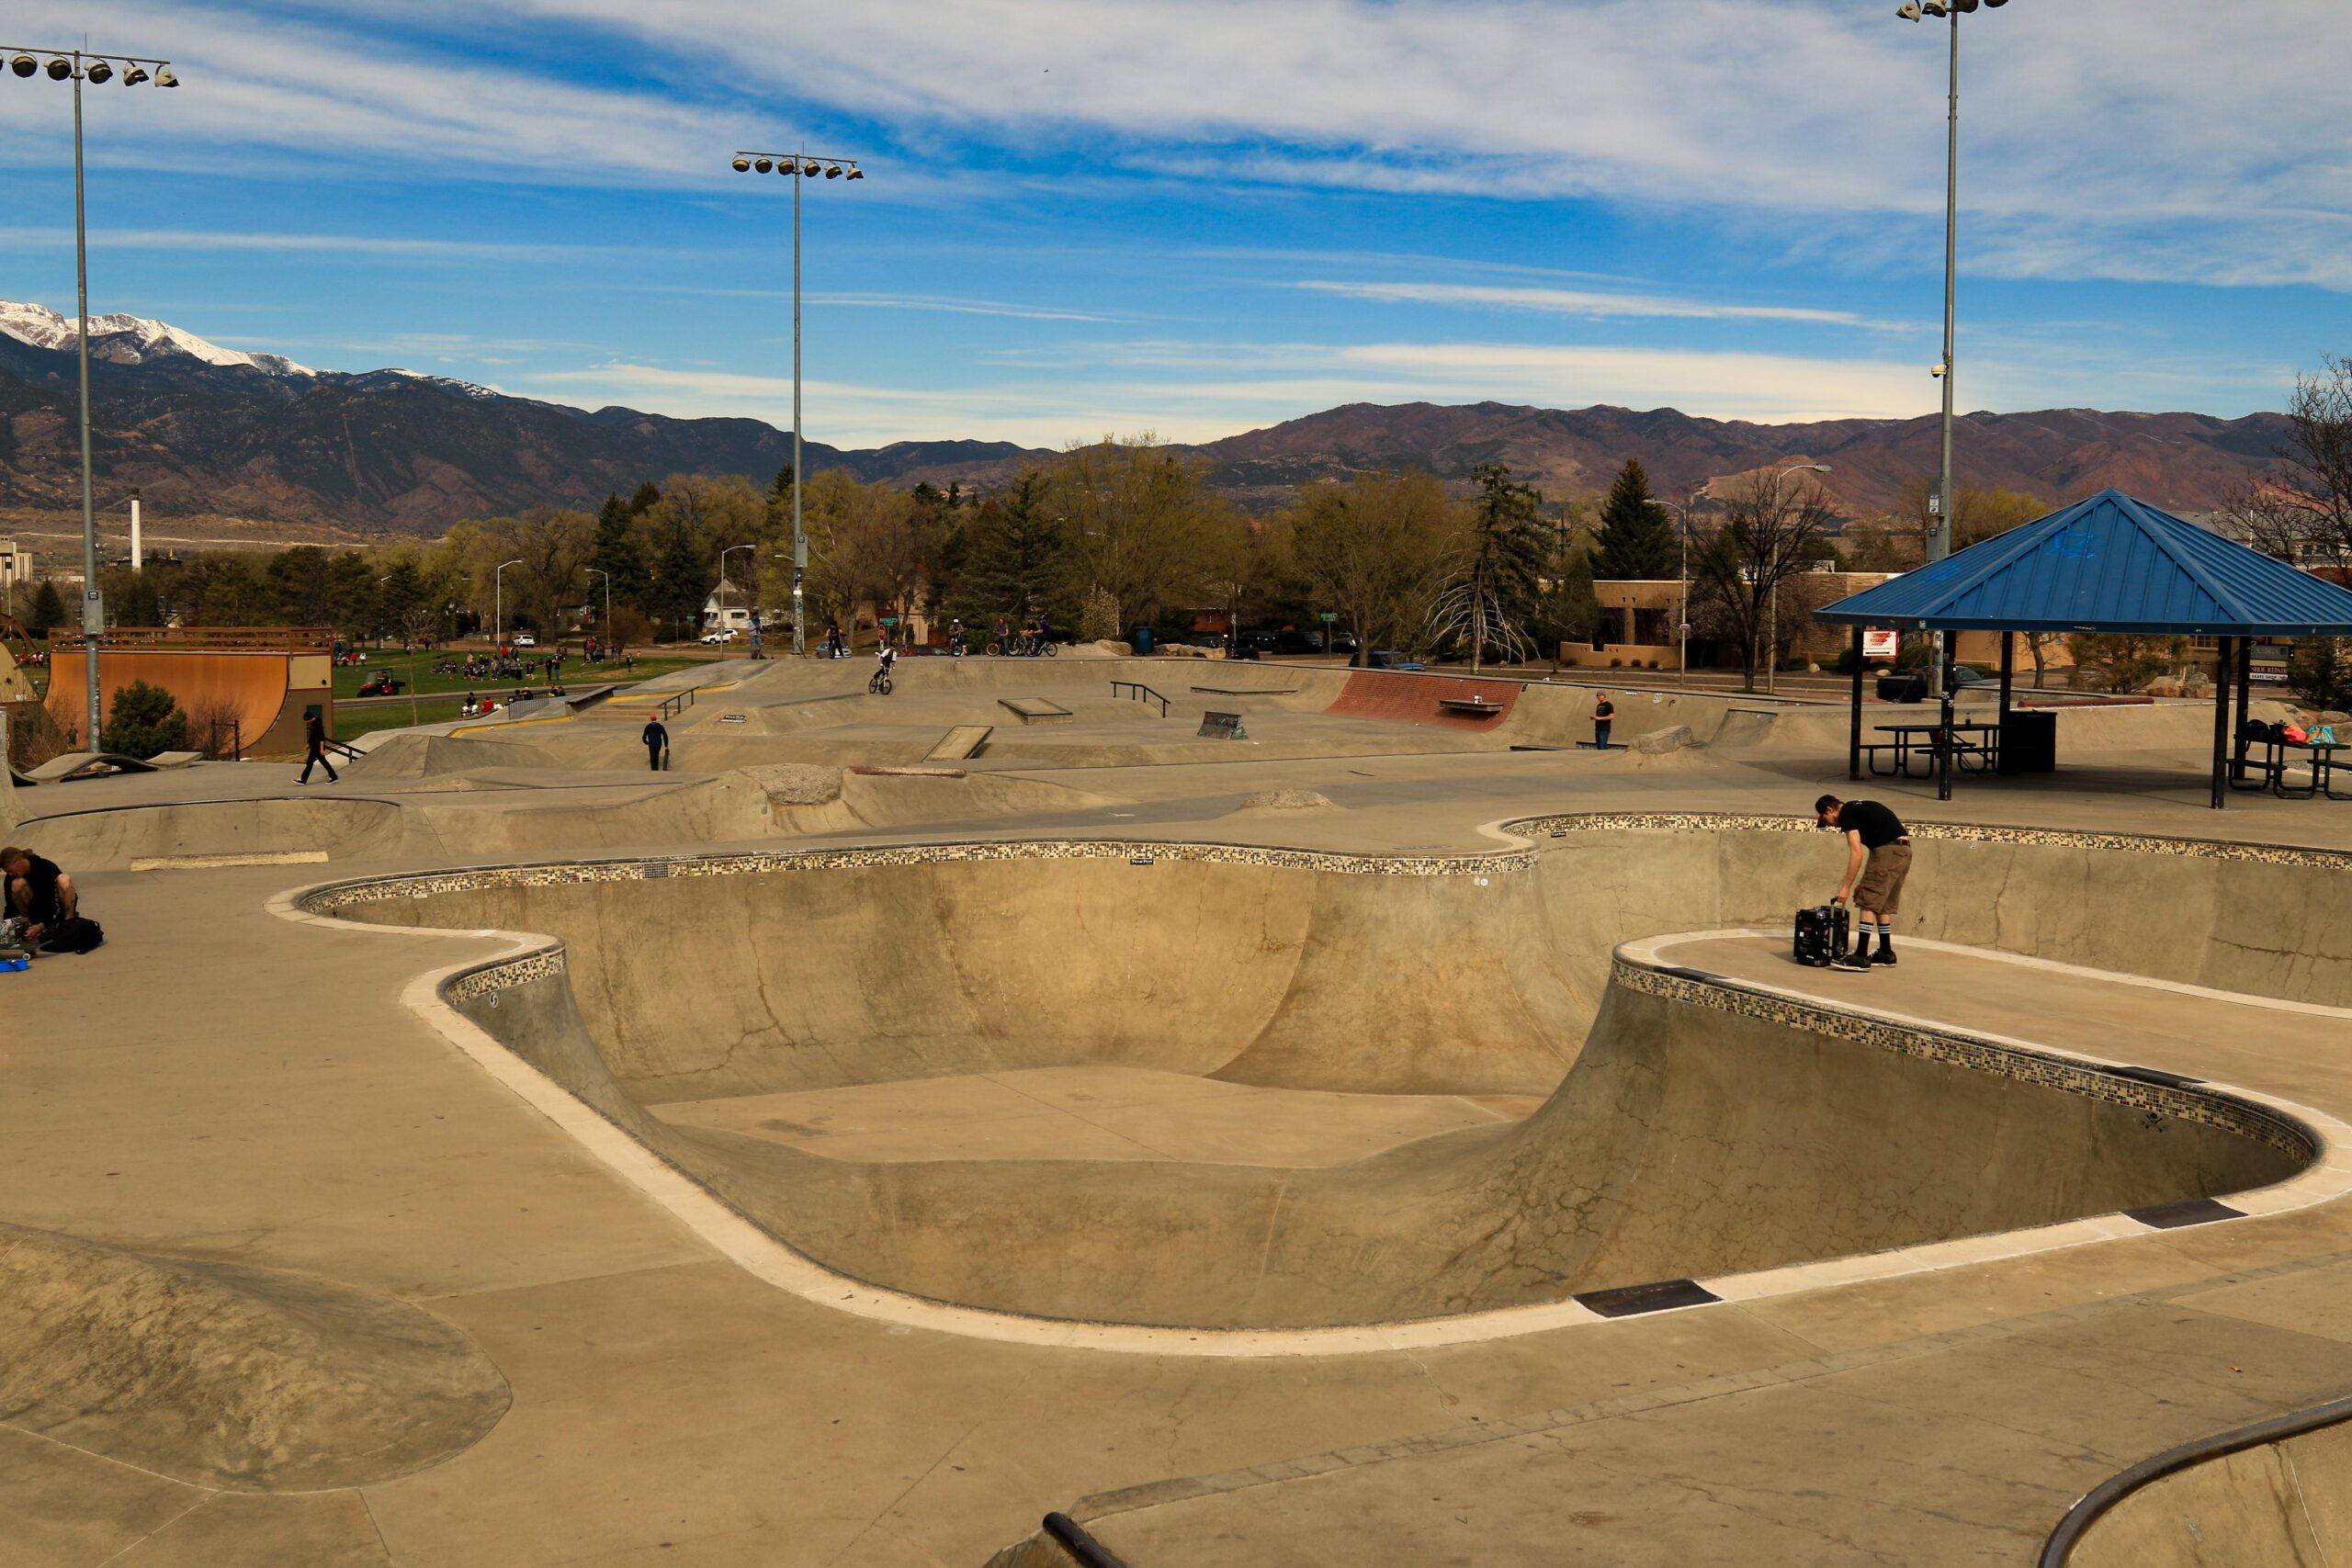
39, 893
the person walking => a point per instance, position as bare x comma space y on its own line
1604, 713
657, 744
1879, 854
315, 741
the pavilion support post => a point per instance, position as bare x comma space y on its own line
1946, 747
2222, 724
1854, 724
2008, 672
2245, 697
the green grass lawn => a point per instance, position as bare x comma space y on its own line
350, 723
416, 673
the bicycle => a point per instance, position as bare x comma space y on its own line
879, 685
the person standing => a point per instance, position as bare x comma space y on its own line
657, 743
1879, 853
314, 742
1604, 713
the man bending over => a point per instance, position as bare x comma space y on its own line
39, 893
1879, 853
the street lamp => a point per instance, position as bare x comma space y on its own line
498, 605
796, 167
77, 67
1682, 608
720, 594
1940, 530
1772, 670
600, 572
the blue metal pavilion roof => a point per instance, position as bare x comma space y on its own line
2108, 564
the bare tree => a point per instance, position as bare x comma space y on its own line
1374, 550
1770, 529
2303, 513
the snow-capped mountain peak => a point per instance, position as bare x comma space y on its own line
131, 340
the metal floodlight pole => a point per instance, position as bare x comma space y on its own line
79, 67
719, 594
600, 572
498, 605
797, 166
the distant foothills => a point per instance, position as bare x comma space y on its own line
200, 429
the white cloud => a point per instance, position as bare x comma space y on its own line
1587, 304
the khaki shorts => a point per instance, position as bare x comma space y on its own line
1881, 888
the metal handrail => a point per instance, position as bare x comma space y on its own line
1143, 693
2115, 1488
671, 706
1083, 1549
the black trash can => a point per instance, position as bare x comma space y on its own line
2029, 742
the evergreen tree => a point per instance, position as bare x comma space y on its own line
618, 553
1637, 540
1492, 600
48, 609
782, 489
143, 720
1018, 561
138, 604
645, 500
679, 583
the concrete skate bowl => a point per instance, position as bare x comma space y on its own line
114, 837
2279, 1491
223, 1376
1208, 1086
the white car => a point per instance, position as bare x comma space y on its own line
712, 638
525, 639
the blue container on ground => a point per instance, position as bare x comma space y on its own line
1143, 639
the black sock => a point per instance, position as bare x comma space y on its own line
1886, 936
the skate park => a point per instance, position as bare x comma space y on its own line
1275, 1147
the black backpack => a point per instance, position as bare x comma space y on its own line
73, 934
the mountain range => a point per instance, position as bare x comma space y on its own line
199, 428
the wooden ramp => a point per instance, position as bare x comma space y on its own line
963, 742
1035, 710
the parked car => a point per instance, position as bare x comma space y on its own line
1911, 685
527, 639
1389, 658
714, 639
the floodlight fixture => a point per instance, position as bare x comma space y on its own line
832, 171
164, 77
98, 71
765, 165
809, 169
60, 68
134, 76
855, 173
742, 164
24, 64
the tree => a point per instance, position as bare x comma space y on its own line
1016, 564
137, 604
2124, 661
1637, 540
1376, 550
1138, 523
1567, 609
2319, 671
143, 720
2302, 514
49, 608
646, 497
1491, 592
1771, 528
681, 573
618, 553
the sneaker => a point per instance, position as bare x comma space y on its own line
1884, 956
1850, 960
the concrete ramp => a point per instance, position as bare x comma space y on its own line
1424, 699
96, 765
1035, 710
960, 743
1745, 726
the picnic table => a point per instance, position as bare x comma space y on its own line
2269, 771
1924, 742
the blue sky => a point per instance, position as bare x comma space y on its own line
1197, 217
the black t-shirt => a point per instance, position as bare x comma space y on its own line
1602, 711
1874, 822
42, 879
